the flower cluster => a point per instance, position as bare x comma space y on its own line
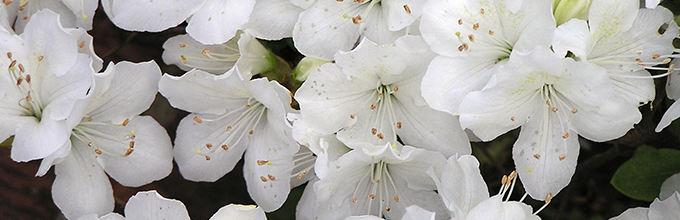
376, 120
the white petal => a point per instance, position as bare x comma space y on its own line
322, 29
244, 212
151, 158
637, 85
60, 93
572, 36
86, 46
672, 113
273, 19
112, 216
36, 140
81, 187
305, 210
611, 16
638, 213
255, 58
673, 83
414, 212
124, 91
40, 35
66, 16
460, 185
151, 205
218, 20
397, 16
670, 186
364, 217
495, 208
153, 16
666, 209
55, 158
187, 54
84, 11
217, 94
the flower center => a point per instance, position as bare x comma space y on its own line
118, 144
31, 101
376, 186
476, 36
382, 113
304, 162
229, 55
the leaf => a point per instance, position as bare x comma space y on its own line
641, 176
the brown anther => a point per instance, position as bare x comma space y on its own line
490, 32
460, 21
513, 175
127, 120
224, 147
128, 152
228, 128
357, 19
7, 2
354, 200
656, 56
671, 67
504, 180
352, 116
388, 208
248, 106
207, 157
21, 8
554, 109
537, 156
250, 132
98, 151
372, 196
19, 81
82, 44
28, 97
512, 118
41, 57
25, 17
182, 45
475, 26
184, 60
548, 198
667, 60
561, 157
381, 136
197, 120
206, 52
271, 177
574, 111
339, 0
209, 146
547, 102
299, 176
377, 181
131, 144
372, 107
471, 38
359, 1
460, 48
12, 64
9, 55
264, 179
395, 89
407, 9
565, 135
28, 78
89, 144
481, 11
398, 125
21, 68
639, 62
374, 131
261, 162
396, 198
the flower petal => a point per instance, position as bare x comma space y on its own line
273, 19
217, 94
151, 205
323, 29
244, 212
153, 16
218, 20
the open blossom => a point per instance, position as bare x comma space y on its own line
44, 76
232, 117
372, 94
71, 13
554, 100
327, 27
659, 209
111, 138
472, 38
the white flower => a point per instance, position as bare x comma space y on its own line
242, 51
229, 117
111, 138
373, 94
472, 38
659, 210
72, 13
327, 27
672, 92
44, 76
554, 100
623, 39
378, 180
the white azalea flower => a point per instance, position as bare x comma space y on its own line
472, 38
242, 51
230, 117
672, 92
378, 180
554, 100
659, 210
72, 13
465, 194
327, 27
45, 77
373, 94
623, 39
111, 138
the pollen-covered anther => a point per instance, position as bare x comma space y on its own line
547, 102
573, 111
398, 125
471, 38
228, 128
89, 119
380, 136
656, 56
565, 135
372, 196
28, 78
126, 121
407, 9
462, 47
271, 177
460, 21
132, 144
561, 157
396, 198
354, 200
671, 67
197, 120
512, 118
21, 68
537, 156
224, 147
395, 89
504, 180
264, 179
490, 32
666, 61
41, 57
89, 144
6, 2
554, 109
359, 1
352, 116
205, 52
209, 146
377, 181
82, 44
182, 45
481, 11
374, 131
261, 162
357, 19
248, 106
128, 152
9, 55
475, 26
250, 132
184, 59
639, 62
97, 151
372, 107
512, 175
548, 198
207, 157
388, 208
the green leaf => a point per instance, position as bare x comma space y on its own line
641, 176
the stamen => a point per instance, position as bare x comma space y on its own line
407, 9
197, 120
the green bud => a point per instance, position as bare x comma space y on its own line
565, 10
305, 66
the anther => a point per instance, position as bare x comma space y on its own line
206, 52
561, 157
554, 109
481, 11
395, 89
396, 198
374, 131
261, 162
271, 177
132, 144
475, 26
41, 57
352, 116
513, 175
490, 32
182, 45
89, 144
82, 44
398, 125
208, 145
381, 136
504, 180
19, 81
127, 120
21, 68
372, 107
197, 120
388, 208
89, 119
7, 2
548, 198
354, 200
28, 78
573, 111
512, 118
407, 9
228, 128
184, 59
460, 21
207, 157
665, 61
372, 196
471, 38
537, 156
377, 181
98, 151
224, 147
357, 19
250, 132
247, 106
565, 135
11, 65
656, 56
264, 179
128, 152
9, 55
